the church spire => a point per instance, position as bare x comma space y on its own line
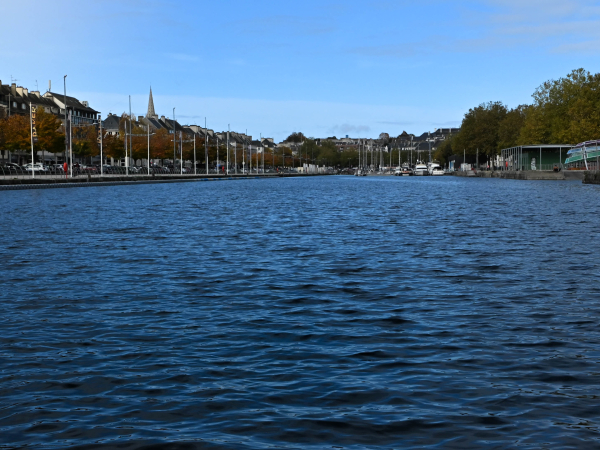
151, 113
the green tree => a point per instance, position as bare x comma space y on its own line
310, 150
328, 154
509, 131
445, 150
479, 129
566, 110
296, 137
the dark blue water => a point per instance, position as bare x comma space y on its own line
330, 312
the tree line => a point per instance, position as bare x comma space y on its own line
563, 111
15, 136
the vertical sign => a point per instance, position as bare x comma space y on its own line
33, 128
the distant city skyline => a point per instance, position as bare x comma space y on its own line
324, 68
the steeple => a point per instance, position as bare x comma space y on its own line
151, 113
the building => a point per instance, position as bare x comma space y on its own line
81, 112
534, 157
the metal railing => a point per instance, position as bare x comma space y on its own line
82, 172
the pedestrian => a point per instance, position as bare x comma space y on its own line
66, 169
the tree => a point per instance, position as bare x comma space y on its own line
384, 138
50, 138
566, 110
509, 131
310, 150
113, 146
161, 144
445, 150
479, 129
85, 141
17, 134
296, 137
328, 154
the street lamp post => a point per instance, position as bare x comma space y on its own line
66, 136
228, 149
174, 140
206, 145
130, 138
101, 149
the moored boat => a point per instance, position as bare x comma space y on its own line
578, 156
420, 170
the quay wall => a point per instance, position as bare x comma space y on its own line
525, 175
83, 181
591, 177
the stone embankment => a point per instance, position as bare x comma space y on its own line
591, 177
83, 181
525, 175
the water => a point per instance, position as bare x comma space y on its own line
329, 312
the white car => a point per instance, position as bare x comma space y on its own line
35, 168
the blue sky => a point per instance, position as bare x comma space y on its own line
321, 67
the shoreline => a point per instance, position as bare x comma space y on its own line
526, 175
82, 181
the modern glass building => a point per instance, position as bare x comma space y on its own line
535, 157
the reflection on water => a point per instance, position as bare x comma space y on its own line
302, 313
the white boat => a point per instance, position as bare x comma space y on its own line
435, 169
420, 170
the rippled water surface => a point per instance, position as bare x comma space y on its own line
327, 312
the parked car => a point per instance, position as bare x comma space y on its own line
89, 170
57, 168
11, 168
36, 168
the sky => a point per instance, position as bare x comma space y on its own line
323, 67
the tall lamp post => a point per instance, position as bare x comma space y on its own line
66, 132
206, 145
148, 146
228, 128
174, 140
